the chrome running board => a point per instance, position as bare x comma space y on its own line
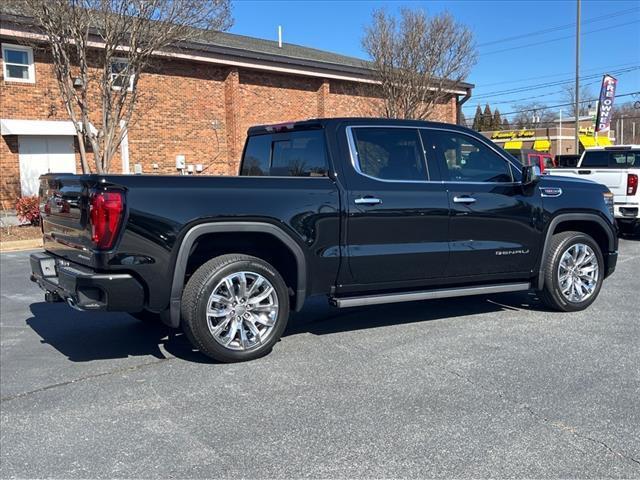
427, 295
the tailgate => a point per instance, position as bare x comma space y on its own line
64, 206
614, 179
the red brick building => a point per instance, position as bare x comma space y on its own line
195, 105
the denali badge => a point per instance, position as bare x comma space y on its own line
550, 191
519, 251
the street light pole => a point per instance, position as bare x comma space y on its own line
577, 106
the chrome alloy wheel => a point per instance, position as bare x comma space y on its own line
578, 273
242, 310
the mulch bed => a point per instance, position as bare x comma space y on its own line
22, 232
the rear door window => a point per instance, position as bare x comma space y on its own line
390, 153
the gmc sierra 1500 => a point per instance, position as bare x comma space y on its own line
363, 211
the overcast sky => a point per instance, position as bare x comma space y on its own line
543, 53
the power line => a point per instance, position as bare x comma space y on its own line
559, 38
554, 83
516, 100
547, 107
603, 68
559, 27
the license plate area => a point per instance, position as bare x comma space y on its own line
48, 267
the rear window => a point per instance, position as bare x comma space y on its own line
294, 154
610, 159
595, 159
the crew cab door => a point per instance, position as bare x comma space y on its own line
491, 228
397, 215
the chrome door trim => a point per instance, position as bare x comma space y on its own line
353, 154
464, 200
367, 201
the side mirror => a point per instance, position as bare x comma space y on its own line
530, 174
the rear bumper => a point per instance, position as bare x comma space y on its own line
84, 288
626, 211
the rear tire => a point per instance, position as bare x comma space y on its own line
573, 272
235, 308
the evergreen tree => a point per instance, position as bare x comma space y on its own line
487, 118
463, 119
477, 119
497, 120
505, 124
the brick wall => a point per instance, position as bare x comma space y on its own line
201, 111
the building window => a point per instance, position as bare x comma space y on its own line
120, 76
17, 64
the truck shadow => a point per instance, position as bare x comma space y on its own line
88, 336
84, 337
320, 319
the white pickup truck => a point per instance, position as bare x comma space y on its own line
617, 167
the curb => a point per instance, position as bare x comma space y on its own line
18, 245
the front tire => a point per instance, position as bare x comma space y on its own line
235, 308
573, 272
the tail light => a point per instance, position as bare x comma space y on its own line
632, 184
105, 215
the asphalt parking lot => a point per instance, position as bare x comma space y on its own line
478, 387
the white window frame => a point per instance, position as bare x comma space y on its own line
30, 67
131, 76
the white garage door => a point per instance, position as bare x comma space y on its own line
44, 154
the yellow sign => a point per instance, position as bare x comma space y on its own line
510, 134
513, 145
603, 141
586, 131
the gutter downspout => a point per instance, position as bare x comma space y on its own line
459, 103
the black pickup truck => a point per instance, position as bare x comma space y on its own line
362, 211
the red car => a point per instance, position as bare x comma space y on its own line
533, 157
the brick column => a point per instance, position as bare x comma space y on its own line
323, 98
232, 116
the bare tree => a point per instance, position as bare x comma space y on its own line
532, 115
626, 122
586, 100
101, 47
417, 58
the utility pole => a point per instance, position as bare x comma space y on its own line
577, 106
559, 149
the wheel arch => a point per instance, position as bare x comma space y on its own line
197, 231
588, 223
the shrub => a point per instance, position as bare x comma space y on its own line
28, 209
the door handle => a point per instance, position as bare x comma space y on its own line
367, 201
584, 172
464, 199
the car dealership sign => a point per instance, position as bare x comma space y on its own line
605, 105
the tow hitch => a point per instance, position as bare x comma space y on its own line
52, 297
